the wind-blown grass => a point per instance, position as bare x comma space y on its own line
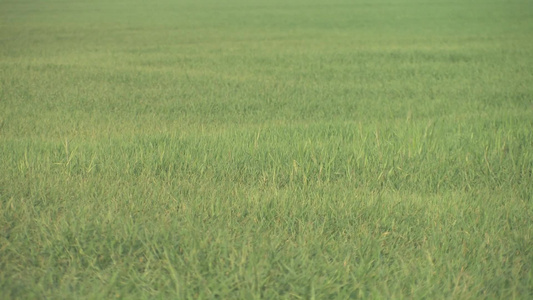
300, 149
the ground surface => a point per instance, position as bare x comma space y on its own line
266, 149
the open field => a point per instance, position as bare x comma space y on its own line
266, 149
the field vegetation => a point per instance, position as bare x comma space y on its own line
266, 149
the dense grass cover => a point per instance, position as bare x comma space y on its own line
266, 149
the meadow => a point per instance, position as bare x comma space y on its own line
343, 149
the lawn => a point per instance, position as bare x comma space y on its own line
344, 149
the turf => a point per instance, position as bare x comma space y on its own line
280, 150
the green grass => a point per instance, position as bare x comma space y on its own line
280, 150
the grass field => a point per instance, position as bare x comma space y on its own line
266, 149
